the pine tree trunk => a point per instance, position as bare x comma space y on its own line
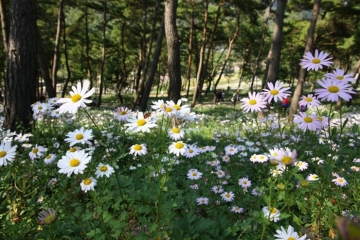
66, 57
197, 88
20, 84
103, 57
275, 51
156, 57
302, 74
173, 47
57, 43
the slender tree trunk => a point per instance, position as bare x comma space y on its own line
173, 47
147, 52
231, 42
210, 47
102, 68
66, 57
20, 84
275, 51
51, 91
302, 74
190, 48
262, 41
197, 88
87, 43
156, 57
4, 26
57, 43
120, 84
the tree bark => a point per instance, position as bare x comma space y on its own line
4, 26
202, 53
231, 42
20, 84
173, 47
87, 43
57, 44
103, 57
156, 57
210, 47
66, 57
275, 50
262, 42
302, 74
190, 48
51, 91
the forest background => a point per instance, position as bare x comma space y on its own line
173, 47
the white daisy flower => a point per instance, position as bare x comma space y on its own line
244, 182
228, 196
178, 148
176, 133
140, 124
194, 174
333, 90
37, 152
104, 170
315, 62
73, 162
288, 234
254, 103
237, 209
7, 153
88, 184
273, 214
50, 158
276, 92
78, 98
138, 149
79, 136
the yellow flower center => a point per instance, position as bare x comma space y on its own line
227, 195
87, 181
194, 174
261, 157
168, 109
175, 130
291, 238
49, 219
137, 147
122, 112
308, 99
339, 77
252, 102
274, 92
48, 156
340, 180
103, 168
286, 160
141, 122
308, 119
191, 151
74, 162
35, 150
316, 61
79, 136
273, 210
177, 107
73, 149
2, 154
39, 107
179, 145
333, 89
75, 98
244, 182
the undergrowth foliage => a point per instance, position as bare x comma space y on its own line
219, 173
